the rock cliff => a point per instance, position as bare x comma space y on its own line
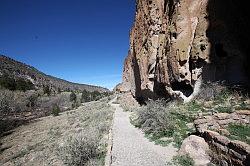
176, 44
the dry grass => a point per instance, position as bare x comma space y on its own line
74, 136
18, 107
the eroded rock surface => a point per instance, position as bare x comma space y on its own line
171, 43
197, 148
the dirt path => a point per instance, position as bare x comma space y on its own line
131, 148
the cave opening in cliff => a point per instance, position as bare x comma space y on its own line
183, 87
228, 35
160, 90
219, 50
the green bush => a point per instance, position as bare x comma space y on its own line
184, 160
73, 97
95, 95
32, 100
7, 82
15, 84
92, 96
24, 85
56, 110
85, 96
59, 90
47, 90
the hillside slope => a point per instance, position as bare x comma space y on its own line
15, 69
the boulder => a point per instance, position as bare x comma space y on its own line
197, 148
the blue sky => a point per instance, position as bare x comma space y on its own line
83, 41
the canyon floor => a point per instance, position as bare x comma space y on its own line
66, 139
130, 147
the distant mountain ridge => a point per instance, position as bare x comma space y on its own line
15, 69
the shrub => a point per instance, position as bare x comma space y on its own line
32, 100
7, 82
56, 110
160, 119
80, 149
73, 97
95, 95
154, 118
47, 90
18, 84
184, 160
59, 90
6, 99
24, 85
85, 96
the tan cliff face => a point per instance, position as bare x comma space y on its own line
173, 47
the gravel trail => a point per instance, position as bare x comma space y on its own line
131, 148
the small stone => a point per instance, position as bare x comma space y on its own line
225, 122
235, 116
240, 147
200, 121
208, 104
208, 117
190, 125
247, 102
209, 135
244, 121
222, 140
243, 112
237, 155
224, 132
221, 116
220, 147
28, 114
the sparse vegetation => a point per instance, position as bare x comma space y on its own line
239, 132
19, 106
80, 149
56, 110
159, 119
183, 161
86, 147
76, 137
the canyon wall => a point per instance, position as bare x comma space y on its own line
176, 44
